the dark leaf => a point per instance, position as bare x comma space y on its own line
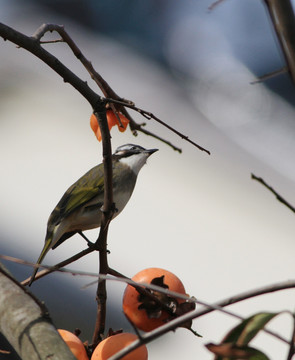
229, 351
235, 343
248, 328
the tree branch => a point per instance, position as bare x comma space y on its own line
148, 115
25, 326
278, 196
292, 342
173, 324
282, 17
60, 265
117, 103
107, 214
33, 46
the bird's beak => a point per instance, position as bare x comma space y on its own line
151, 151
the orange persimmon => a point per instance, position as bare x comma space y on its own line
112, 121
74, 343
143, 312
112, 344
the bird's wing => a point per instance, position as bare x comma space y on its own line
83, 190
79, 197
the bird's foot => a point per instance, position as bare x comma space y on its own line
89, 243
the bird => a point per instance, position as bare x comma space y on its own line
79, 208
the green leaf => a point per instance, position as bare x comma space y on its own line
229, 351
248, 328
235, 343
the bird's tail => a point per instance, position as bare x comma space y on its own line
47, 246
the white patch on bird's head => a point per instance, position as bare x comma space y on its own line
135, 161
134, 156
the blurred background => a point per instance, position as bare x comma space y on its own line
199, 216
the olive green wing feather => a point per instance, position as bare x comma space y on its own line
79, 197
82, 191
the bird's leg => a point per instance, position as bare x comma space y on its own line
89, 243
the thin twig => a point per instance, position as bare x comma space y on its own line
270, 75
58, 266
148, 115
278, 196
138, 127
99, 80
215, 4
209, 307
52, 41
292, 342
109, 92
154, 334
33, 46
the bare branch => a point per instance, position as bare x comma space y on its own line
109, 93
58, 266
107, 214
209, 307
282, 17
51, 41
173, 324
33, 46
292, 342
270, 75
148, 115
278, 196
138, 127
215, 4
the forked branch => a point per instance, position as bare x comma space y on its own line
117, 103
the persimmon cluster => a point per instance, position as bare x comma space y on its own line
146, 310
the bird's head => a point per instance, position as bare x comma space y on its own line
134, 156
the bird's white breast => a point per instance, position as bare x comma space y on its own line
135, 162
